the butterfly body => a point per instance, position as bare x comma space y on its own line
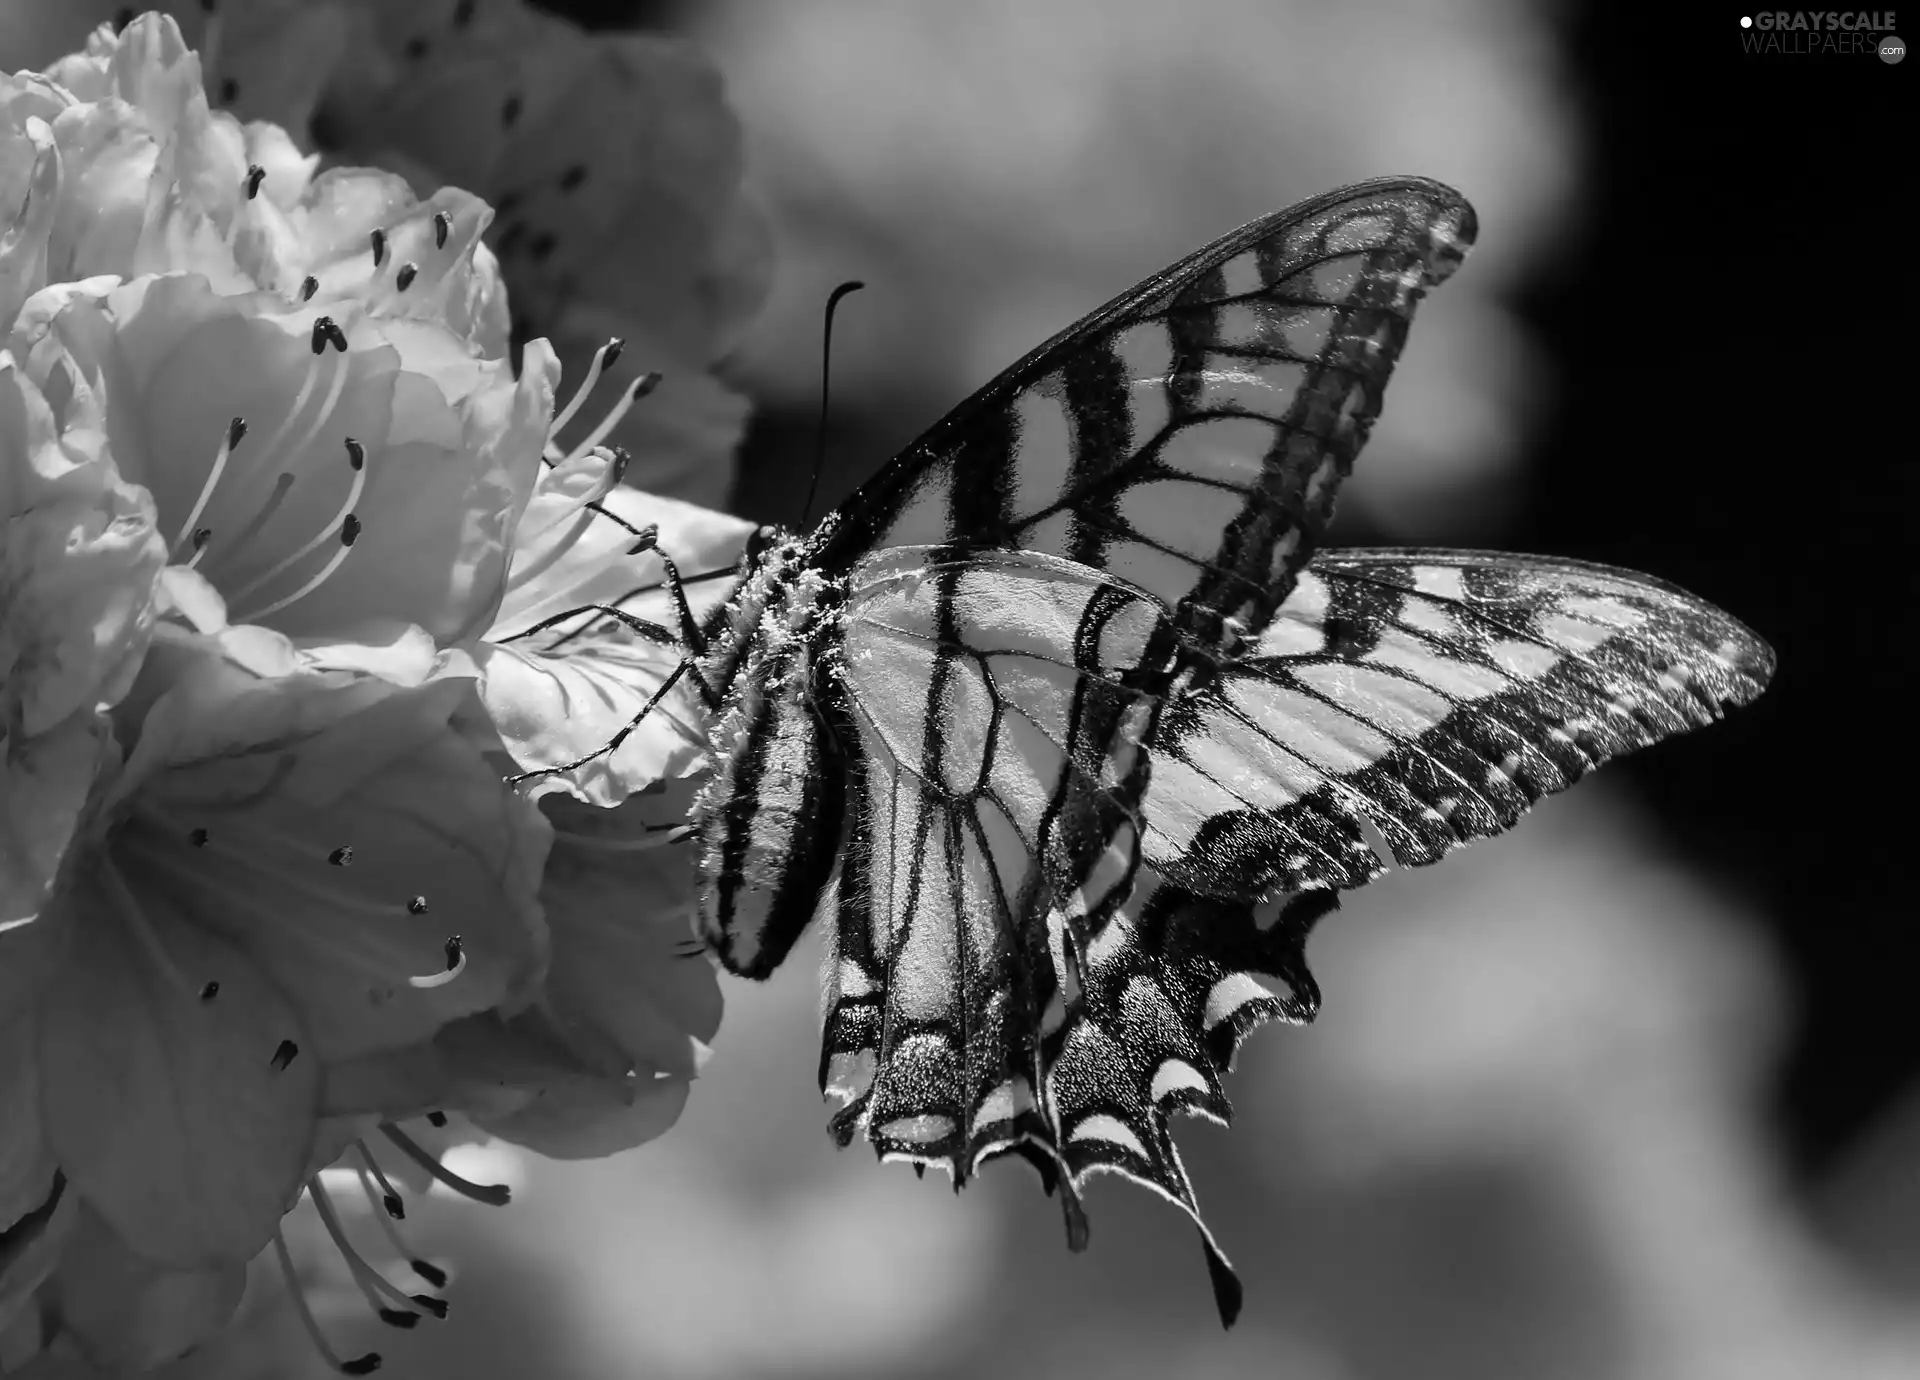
1062, 732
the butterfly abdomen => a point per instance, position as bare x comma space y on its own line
769, 818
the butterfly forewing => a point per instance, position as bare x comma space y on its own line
1436, 695
1189, 437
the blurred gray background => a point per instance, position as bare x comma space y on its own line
1625, 1095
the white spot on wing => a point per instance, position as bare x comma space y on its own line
1229, 994
1176, 1075
1112, 1130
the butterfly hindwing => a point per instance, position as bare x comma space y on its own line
997, 704
1434, 694
1188, 437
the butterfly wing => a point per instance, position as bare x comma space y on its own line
1190, 435
1435, 695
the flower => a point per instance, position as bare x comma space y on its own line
613, 159
302, 574
615, 164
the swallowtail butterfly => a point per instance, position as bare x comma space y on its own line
1064, 734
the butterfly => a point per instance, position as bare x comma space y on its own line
1065, 735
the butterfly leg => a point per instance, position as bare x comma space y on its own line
612, 744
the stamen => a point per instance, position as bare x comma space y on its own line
378, 239
648, 540
442, 223
390, 1200
581, 513
284, 1055
337, 336
323, 329
456, 964
308, 286
320, 538
495, 1195
356, 454
281, 485
642, 386
372, 1283
417, 906
255, 176
603, 360
426, 1269
236, 429
404, 278
363, 1365
349, 534
341, 856
201, 536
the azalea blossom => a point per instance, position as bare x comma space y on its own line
337, 579
612, 159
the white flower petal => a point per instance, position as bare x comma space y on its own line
179, 1119
129, 1314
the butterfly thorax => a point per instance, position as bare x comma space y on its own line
768, 817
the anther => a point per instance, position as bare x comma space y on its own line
437, 1307
335, 335
394, 1317
341, 856
649, 538
430, 1272
198, 838
509, 112
308, 286
229, 91
350, 530
378, 239
255, 176
436, 1119
361, 1365
201, 536
356, 454
236, 431
462, 14
323, 329
390, 1198
442, 223
404, 278
210, 991
417, 906
453, 952
284, 1055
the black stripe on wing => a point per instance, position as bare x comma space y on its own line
1436, 695
1190, 435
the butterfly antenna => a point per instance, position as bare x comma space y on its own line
826, 374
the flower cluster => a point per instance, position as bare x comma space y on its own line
302, 603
